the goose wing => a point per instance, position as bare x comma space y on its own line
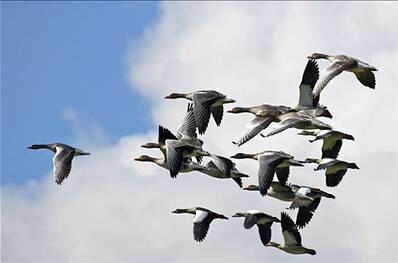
366, 77
250, 221
188, 125
289, 230
174, 156
334, 176
217, 113
253, 128
165, 134
305, 213
310, 77
334, 69
282, 173
267, 166
202, 102
201, 224
331, 148
264, 231
62, 164
223, 164
284, 125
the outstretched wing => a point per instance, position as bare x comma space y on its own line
334, 69
289, 230
217, 112
188, 125
305, 213
265, 232
202, 108
201, 224
310, 77
267, 165
367, 78
331, 148
62, 164
283, 125
253, 128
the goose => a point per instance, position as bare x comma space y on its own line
221, 167
186, 132
264, 115
307, 101
269, 163
187, 165
302, 120
335, 169
62, 159
263, 222
305, 198
332, 141
340, 63
201, 221
292, 239
205, 103
276, 190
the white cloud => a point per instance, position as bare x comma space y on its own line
114, 209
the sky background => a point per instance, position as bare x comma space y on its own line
94, 75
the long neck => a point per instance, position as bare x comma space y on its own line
43, 146
246, 156
322, 56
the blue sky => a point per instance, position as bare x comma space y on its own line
65, 55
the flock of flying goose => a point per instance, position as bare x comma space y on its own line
181, 147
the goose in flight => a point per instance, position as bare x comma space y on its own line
332, 141
292, 239
264, 115
187, 164
263, 222
62, 159
221, 167
186, 132
201, 221
335, 169
340, 63
302, 120
270, 162
305, 198
205, 103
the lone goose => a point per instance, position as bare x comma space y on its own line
269, 163
307, 200
302, 120
263, 222
221, 167
201, 221
187, 165
335, 169
62, 159
265, 115
332, 141
340, 63
205, 102
292, 238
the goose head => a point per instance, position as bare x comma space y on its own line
317, 56
175, 96
150, 145
144, 158
251, 187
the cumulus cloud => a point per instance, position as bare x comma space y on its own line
114, 209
